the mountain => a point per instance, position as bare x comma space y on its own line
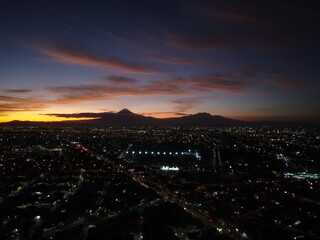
206, 119
122, 118
125, 111
127, 118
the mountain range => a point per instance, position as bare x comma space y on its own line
127, 118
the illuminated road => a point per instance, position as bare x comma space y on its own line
196, 213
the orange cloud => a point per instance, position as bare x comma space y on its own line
19, 104
115, 86
174, 87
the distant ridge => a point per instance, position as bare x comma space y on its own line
129, 119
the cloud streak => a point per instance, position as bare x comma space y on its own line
116, 86
185, 104
17, 90
116, 79
176, 86
80, 55
79, 115
19, 104
174, 60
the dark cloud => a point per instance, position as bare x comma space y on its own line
162, 113
174, 60
201, 41
288, 83
79, 115
276, 78
232, 13
234, 17
115, 79
17, 90
262, 25
230, 41
119, 86
181, 114
106, 114
217, 83
186, 104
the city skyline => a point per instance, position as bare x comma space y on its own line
247, 61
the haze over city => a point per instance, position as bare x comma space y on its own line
248, 60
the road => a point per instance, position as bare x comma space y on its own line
196, 213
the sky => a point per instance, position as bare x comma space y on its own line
249, 60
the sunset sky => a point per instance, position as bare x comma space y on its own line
250, 60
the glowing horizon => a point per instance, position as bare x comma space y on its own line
161, 115
199, 57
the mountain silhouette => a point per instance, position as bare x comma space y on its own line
127, 118
125, 111
206, 119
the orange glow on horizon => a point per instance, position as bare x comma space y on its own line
36, 118
29, 116
161, 115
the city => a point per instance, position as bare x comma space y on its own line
153, 183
